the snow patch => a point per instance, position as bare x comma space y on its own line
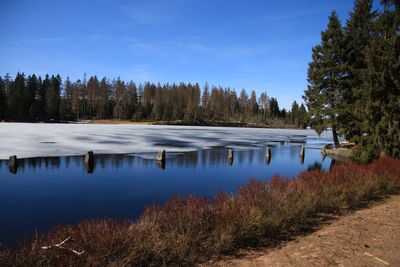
46, 140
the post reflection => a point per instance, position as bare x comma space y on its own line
89, 167
201, 158
161, 164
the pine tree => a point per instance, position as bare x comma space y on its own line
325, 73
243, 102
274, 107
92, 93
66, 101
294, 113
15, 98
119, 93
2, 99
30, 111
359, 30
252, 110
53, 96
302, 115
157, 103
205, 102
383, 82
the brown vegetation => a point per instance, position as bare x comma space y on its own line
366, 237
187, 230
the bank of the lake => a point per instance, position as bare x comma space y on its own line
189, 230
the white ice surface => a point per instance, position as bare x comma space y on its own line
43, 140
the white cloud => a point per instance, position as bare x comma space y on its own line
149, 13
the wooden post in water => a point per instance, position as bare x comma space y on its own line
302, 154
230, 156
13, 164
161, 159
302, 151
267, 155
89, 162
161, 156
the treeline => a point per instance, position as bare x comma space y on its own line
354, 79
50, 99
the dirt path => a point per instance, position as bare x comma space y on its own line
368, 237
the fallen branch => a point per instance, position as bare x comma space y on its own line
376, 258
59, 245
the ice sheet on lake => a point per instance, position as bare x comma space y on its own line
43, 140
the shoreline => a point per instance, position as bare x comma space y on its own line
168, 123
260, 214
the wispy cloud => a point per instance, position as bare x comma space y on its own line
154, 13
55, 40
292, 15
228, 51
170, 48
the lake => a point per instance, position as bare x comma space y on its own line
47, 191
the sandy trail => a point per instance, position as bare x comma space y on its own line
367, 237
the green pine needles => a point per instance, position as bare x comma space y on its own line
354, 80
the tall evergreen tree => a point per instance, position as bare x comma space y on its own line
30, 98
53, 97
274, 107
92, 95
119, 94
252, 105
15, 98
157, 103
302, 115
2, 99
294, 113
75, 102
66, 101
359, 30
325, 73
205, 102
383, 82
104, 99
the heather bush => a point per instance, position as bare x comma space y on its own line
187, 230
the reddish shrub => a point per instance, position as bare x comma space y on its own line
186, 230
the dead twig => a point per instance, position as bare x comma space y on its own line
59, 245
376, 258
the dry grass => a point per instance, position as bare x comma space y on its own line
187, 230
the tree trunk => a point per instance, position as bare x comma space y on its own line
335, 136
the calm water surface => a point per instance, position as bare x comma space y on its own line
45, 192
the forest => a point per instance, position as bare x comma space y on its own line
354, 79
34, 98
353, 88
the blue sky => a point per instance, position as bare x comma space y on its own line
256, 45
